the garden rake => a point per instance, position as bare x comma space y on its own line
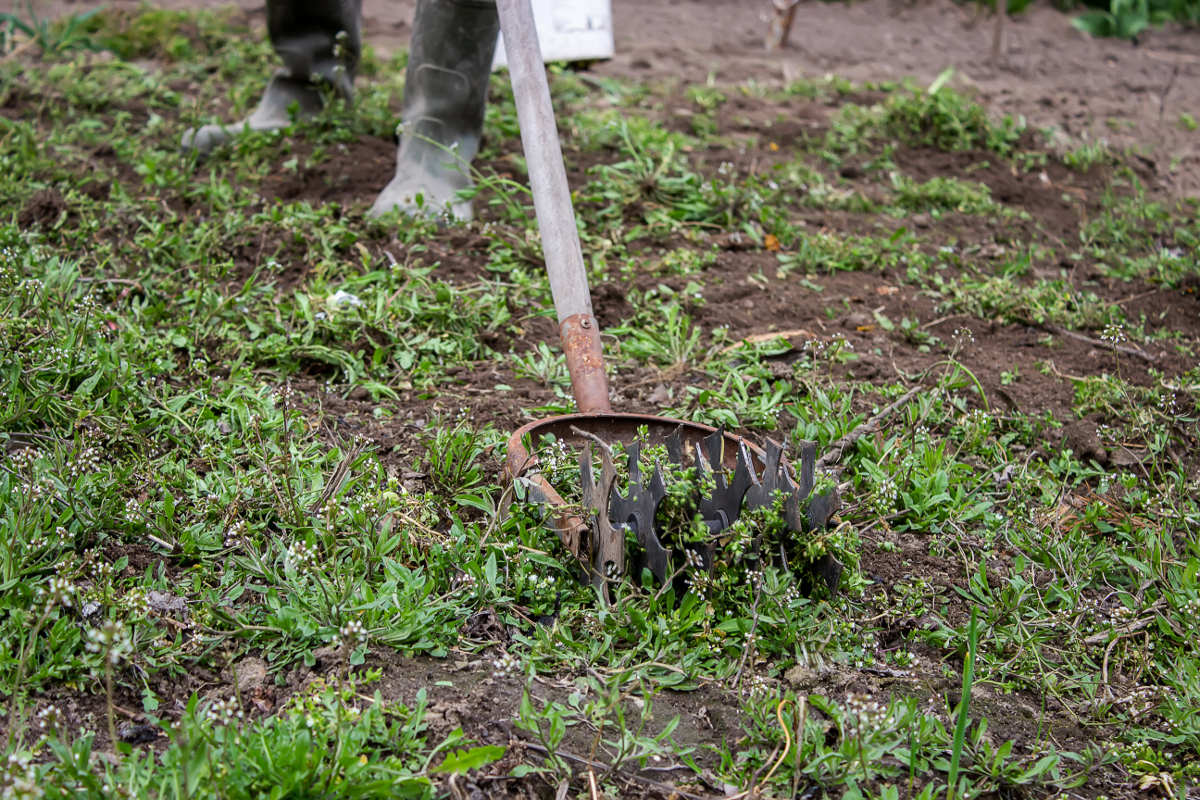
743, 476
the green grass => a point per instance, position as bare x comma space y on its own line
174, 375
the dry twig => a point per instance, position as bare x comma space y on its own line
837, 448
1120, 348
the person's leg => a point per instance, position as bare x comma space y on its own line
319, 42
445, 98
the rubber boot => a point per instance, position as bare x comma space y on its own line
445, 98
319, 43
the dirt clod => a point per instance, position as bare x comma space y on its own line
138, 734
801, 677
42, 209
1081, 439
251, 673
165, 601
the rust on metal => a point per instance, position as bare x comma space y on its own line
585, 362
613, 427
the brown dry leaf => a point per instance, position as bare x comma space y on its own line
771, 242
886, 290
1162, 780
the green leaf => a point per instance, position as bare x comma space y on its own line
1129, 26
1043, 764
940, 81
88, 386
1096, 23
960, 728
463, 761
521, 770
489, 571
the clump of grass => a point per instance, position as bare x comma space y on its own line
455, 453
942, 194
947, 120
1088, 155
1008, 299
174, 36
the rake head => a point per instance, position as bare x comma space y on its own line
742, 478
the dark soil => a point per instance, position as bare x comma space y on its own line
1042, 193
43, 209
346, 175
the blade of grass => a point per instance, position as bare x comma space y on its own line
960, 727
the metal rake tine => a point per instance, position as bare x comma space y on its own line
610, 543
808, 468
658, 557
586, 477
823, 506
772, 465
621, 506
743, 479
608, 470
792, 508
715, 444
635, 468
829, 569
762, 495
729, 489
658, 484
675, 447
703, 468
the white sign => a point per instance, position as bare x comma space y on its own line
569, 30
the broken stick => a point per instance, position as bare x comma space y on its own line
837, 448
1129, 351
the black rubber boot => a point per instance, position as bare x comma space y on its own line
445, 98
320, 43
